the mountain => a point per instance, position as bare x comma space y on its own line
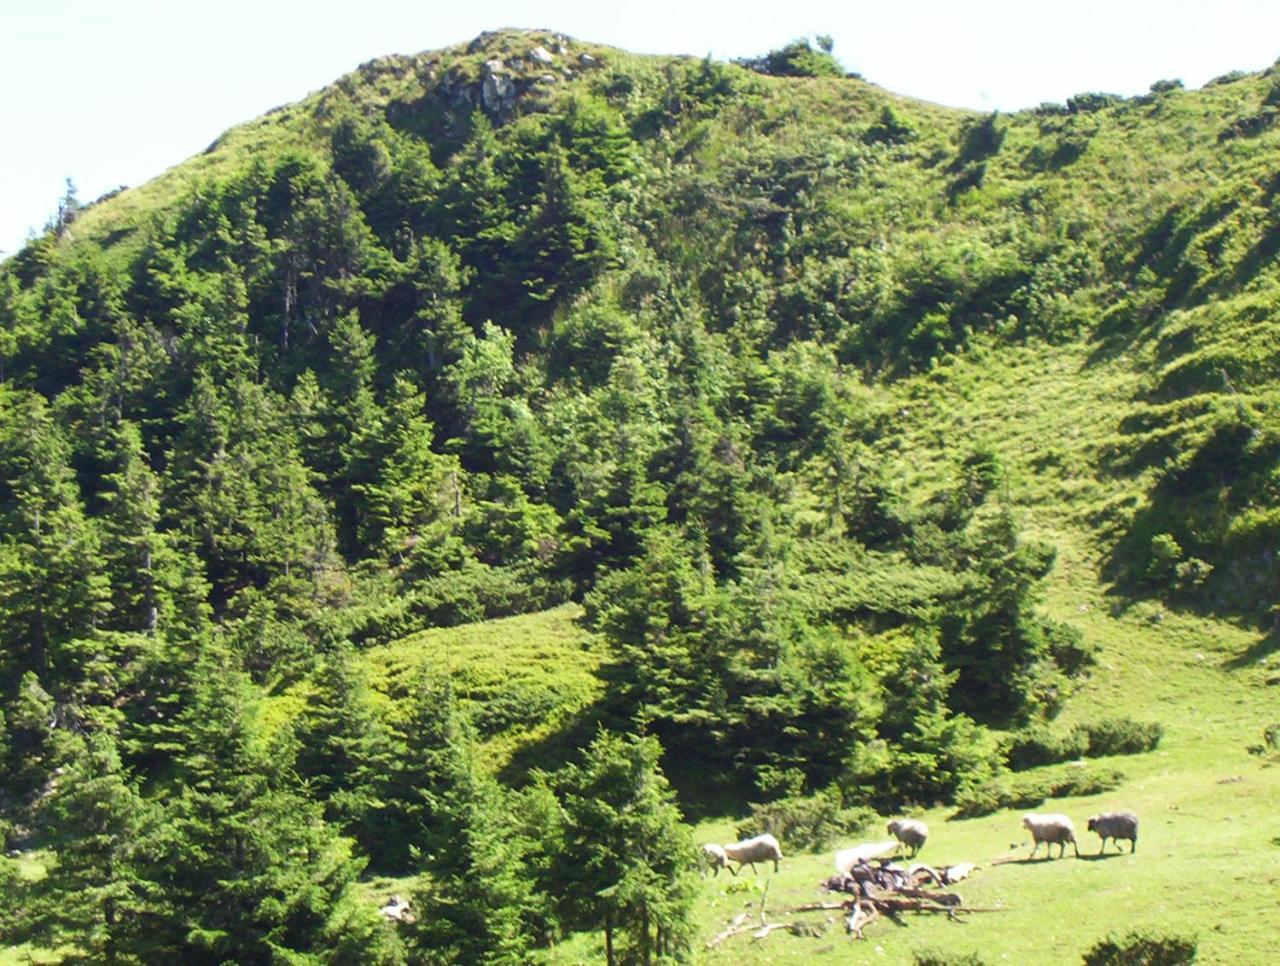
764, 416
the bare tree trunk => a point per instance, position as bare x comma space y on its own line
644, 934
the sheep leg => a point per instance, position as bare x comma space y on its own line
1074, 847
1133, 845
775, 866
1035, 844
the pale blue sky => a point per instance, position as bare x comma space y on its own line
111, 92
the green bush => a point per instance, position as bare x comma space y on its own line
1230, 77
477, 592
796, 59
1040, 746
889, 129
1142, 949
988, 797
937, 957
1163, 555
806, 822
1122, 736
1085, 782
1090, 102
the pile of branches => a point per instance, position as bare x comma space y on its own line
875, 889
880, 889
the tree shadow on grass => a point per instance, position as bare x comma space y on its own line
557, 749
1264, 647
701, 790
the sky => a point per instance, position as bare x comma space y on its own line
113, 92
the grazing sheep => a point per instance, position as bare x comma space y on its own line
762, 848
1116, 826
713, 855
909, 832
1050, 829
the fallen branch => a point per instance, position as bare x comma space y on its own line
860, 917
735, 926
764, 931
820, 906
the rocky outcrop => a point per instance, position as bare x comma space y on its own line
497, 90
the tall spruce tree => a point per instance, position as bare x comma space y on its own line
627, 861
478, 903
248, 869
51, 584
97, 894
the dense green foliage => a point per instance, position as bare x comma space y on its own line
462, 337
1142, 949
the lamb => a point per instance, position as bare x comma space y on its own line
1116, 826
713, 855
762, 848
909, 832
1050, 829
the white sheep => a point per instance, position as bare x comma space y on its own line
762, 848
910, 832
714, 856
1115, 826
1050, 829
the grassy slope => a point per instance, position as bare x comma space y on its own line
1208, 845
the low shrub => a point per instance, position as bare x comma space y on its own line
1023, 793
937, 957
1142, 949
989, 797
1085, 782
1091, 101
806, 822
476, 593
1041, 746
1122, 736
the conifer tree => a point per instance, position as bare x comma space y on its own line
51, 584
154, 585
627, 862
479, 901
248, 869
345, 750
97, 894
414, 493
